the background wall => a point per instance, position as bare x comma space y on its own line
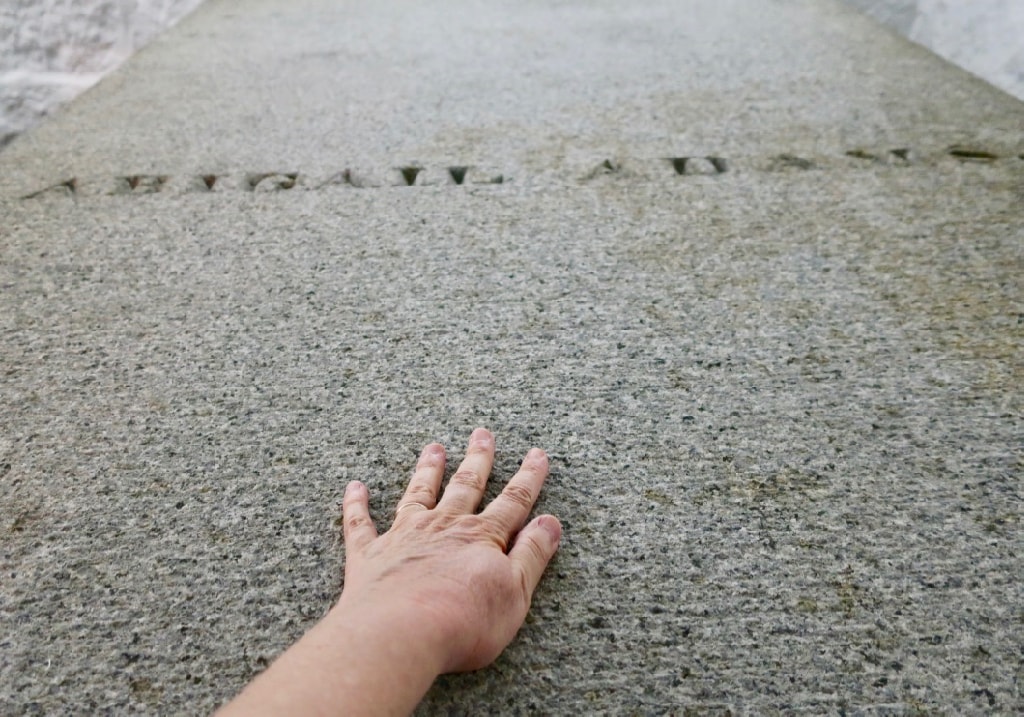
50, 50
985, 37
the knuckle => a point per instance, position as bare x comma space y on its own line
457, 536
443, 522
479, 449
471, 526
420, 493
520, 495
429, 460
468, 478
357, 521
477, 528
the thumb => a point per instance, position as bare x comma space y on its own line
533, 549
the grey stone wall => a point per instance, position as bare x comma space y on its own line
54, 49
985, 37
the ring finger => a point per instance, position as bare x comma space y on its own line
426, 479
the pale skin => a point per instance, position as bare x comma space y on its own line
446, 589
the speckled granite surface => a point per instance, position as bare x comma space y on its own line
763, 309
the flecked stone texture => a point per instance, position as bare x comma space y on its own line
751, 272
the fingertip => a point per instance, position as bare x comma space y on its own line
537, 455
551, 525
481, 437
432, 454
355, 489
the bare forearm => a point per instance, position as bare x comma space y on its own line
351, 663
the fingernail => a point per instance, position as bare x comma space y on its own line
480, 436
354, 487
535, 453
432, 455
552, 527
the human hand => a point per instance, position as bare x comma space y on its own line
465, 579
444, 590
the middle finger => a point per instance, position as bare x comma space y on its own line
466, 486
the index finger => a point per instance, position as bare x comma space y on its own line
510, 510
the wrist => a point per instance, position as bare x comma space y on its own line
389, 654
383, 625
361, 659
